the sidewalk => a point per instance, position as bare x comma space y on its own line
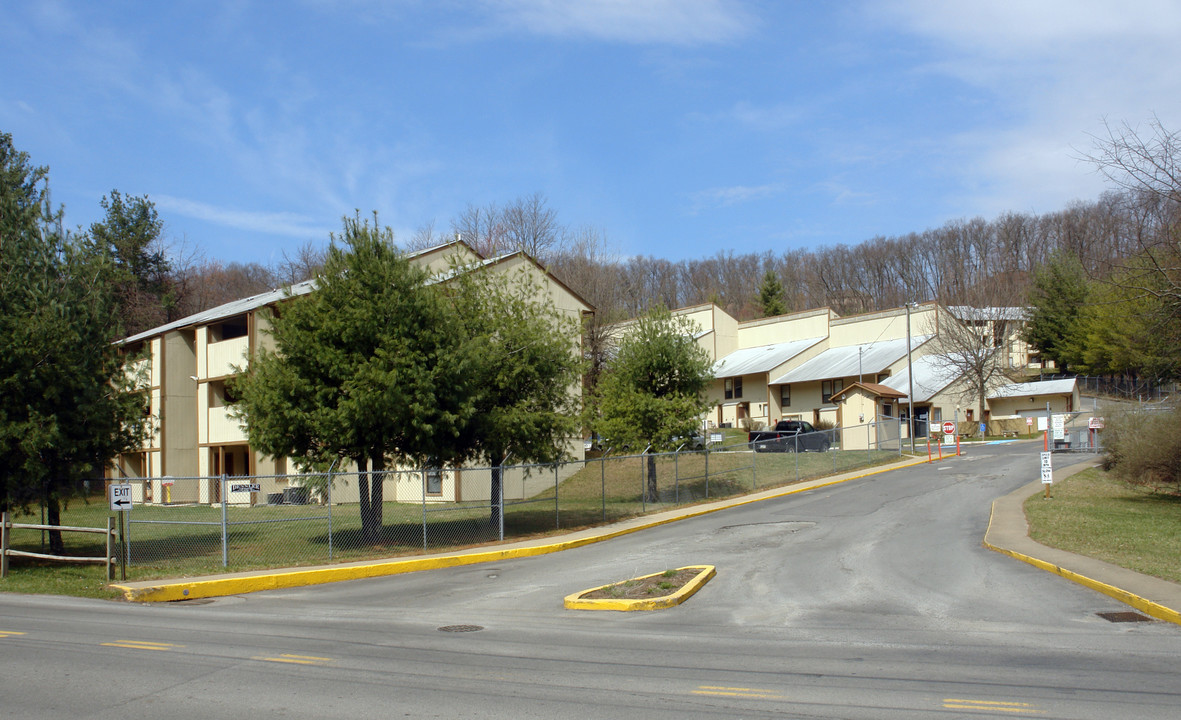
1008, 533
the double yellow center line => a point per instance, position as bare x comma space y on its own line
296, 659
141, 645
990, 706
722, 691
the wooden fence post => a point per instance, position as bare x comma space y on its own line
110, 548
4, 545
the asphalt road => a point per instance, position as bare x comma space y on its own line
869, 599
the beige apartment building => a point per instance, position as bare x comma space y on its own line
796, 367
186, 365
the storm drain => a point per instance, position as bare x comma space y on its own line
1125, 616
461, 628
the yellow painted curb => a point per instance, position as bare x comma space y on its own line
704, 574
1156, 610
1144, 605
173, 590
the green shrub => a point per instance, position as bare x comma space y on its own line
1144, 448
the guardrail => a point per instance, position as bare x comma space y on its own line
6, 525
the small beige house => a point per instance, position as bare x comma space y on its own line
869, 413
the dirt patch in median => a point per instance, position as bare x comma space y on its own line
665, 583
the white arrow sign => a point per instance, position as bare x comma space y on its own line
121, 497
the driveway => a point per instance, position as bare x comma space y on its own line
869, 599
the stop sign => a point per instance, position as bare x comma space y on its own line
949, 428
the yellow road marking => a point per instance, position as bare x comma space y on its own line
296, 659
9, 633
990, 706
141, 645
722, 691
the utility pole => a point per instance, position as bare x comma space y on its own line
909, 382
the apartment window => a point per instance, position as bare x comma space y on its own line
434, 481
733, 388
221, 394
785, 395
828, 388
228, 329
883, 375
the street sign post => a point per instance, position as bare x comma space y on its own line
120, 496
1047, 471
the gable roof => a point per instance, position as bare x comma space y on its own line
872, 388
850, 360
1042, 387
254, 302
227, 310
761, 359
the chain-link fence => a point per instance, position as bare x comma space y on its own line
1123, 388
194, 525
1080, 432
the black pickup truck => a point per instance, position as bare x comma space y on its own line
791, 436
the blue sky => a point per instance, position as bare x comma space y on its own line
678, 128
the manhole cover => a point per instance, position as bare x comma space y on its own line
461, 628
1126, 616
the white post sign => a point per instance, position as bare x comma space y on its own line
121, 497
1047, 468
1059, 427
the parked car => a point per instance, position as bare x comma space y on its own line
791, 436
693, 441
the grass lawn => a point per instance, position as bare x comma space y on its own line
185, 541
1094, 514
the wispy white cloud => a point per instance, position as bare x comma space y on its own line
273, 223
842, 194
675, 22
734, 195
1002, 28
1052, 71
762, 118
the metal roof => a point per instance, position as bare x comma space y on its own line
932, 373
1043, 387
237, 307
874, 388
851, 360
761, 359
228, 310
984, 314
